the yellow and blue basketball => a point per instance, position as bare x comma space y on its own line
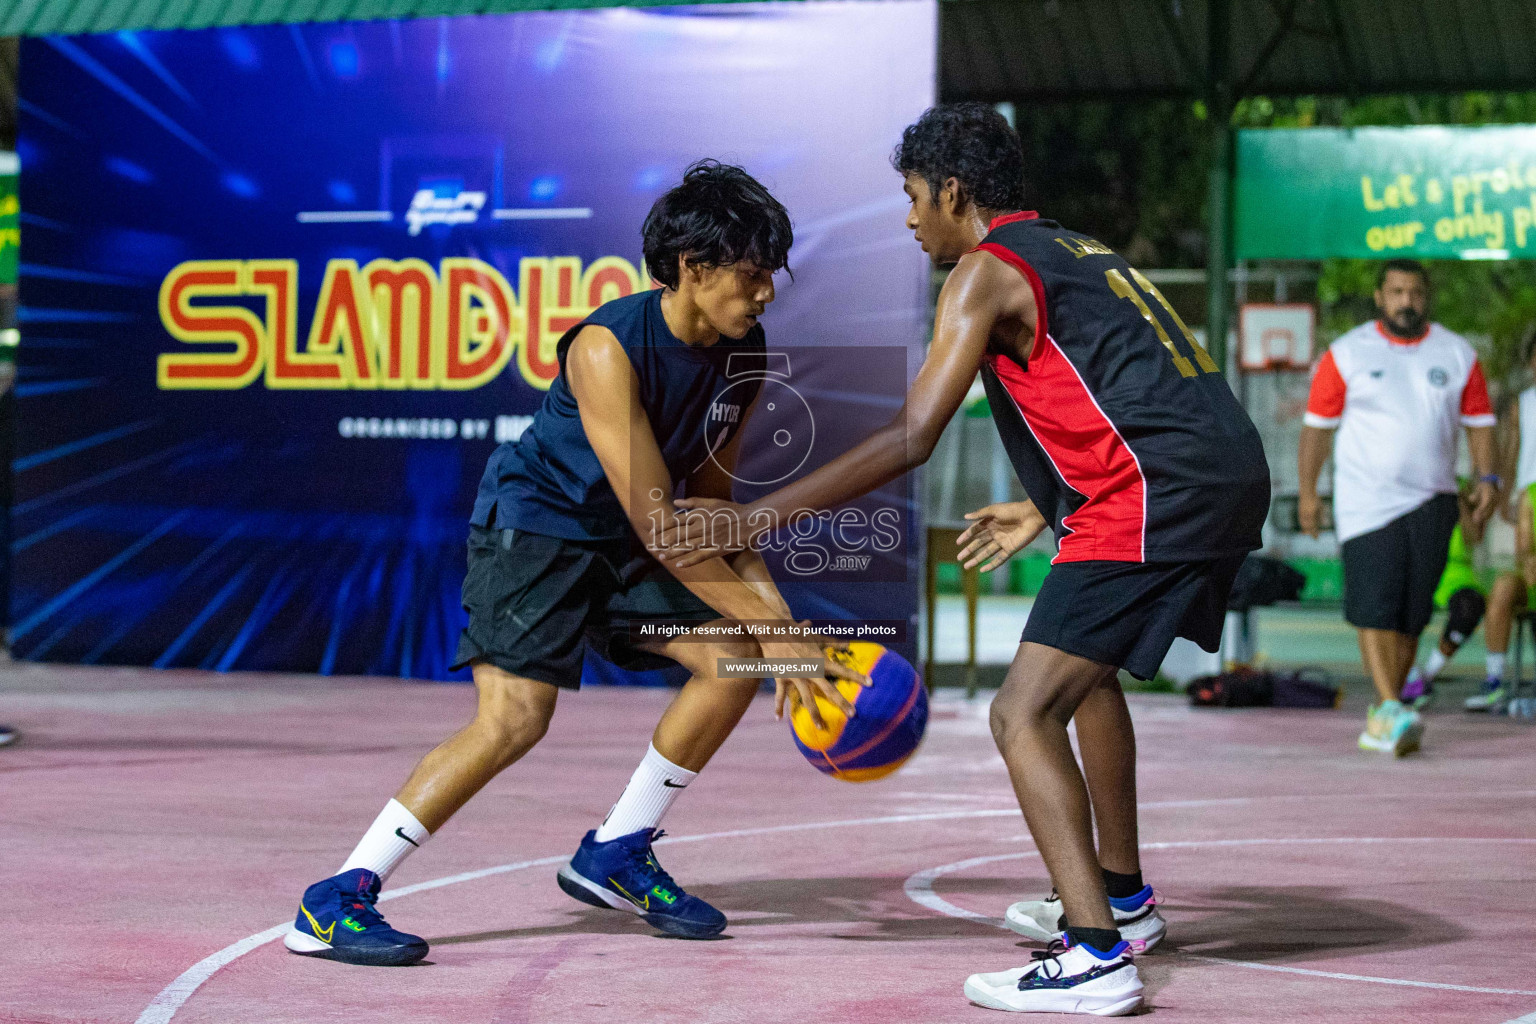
890, 717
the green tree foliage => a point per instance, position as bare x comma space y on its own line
1130, 174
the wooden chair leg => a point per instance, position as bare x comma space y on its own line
1521, 621
931, 599
1515, 702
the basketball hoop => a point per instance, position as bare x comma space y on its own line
1277, 336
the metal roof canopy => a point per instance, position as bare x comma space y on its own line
1035, 49
1221, 50
1137, 49
61, 17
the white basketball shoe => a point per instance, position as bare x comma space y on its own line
1063, 979
1136, 917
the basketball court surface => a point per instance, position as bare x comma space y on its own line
160, 825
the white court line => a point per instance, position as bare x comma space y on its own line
345, 216
1230, 801
543, 213
1529, 1018
171, 998
164, 1006
919, 889
1358, 977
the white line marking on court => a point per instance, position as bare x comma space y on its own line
164, 1006
543, 213
345, 216
171, 998
1529, 1018
1230, 801
919, 889
1357, 977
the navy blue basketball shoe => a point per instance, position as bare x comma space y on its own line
337, 921
623, 874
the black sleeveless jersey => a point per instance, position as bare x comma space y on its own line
549, 481
1120, 427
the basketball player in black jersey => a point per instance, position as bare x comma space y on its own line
1135, 452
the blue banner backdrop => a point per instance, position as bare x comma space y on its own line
284, 288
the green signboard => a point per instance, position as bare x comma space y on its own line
1427, 192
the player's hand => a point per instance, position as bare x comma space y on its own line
802, 691
1484, 501
714, 529
998, 532
1309, 514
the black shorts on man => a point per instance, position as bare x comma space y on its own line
1127, 614
1391, 573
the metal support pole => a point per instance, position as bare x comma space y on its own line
1219, 103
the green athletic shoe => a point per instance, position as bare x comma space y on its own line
1392, 728
1491, 699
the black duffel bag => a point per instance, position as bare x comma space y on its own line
1254, 688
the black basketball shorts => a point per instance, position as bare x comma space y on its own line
536, 602
1391, 573
1127, 614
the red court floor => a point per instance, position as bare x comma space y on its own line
159, 826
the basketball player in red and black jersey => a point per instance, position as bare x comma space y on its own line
1133, 449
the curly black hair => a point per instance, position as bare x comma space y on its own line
720, 215
970, 142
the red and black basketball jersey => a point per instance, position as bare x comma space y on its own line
1120, 427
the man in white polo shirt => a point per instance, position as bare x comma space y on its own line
1395, 390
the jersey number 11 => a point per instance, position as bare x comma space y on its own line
1123, 288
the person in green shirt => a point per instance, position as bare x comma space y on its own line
1513, 592
1462, 595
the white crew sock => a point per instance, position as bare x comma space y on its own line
1433, 664
391, 837
650, 792
1495, 666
